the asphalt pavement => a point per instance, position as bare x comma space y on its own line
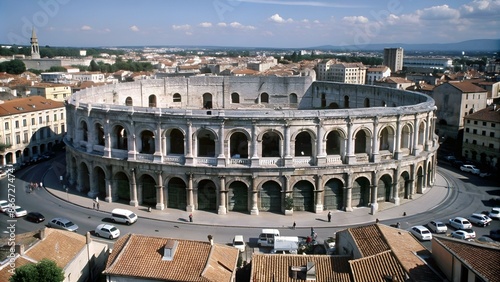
387, 213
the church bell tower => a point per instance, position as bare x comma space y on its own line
35, 50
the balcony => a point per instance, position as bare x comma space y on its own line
303, 161
334, 159
240, 162
206, 161
179, 159
270, 162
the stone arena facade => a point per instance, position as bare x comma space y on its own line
250, 144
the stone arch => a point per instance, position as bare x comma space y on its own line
147, 142
99, 134
129, 102
175, 141
366, 103
270, 196
333, 106
206, 195
303, 196
119, 137
176, 193
237, 196
100, 182
238, 144
346, 102
84, 177
387, 135
147, 185
304, 143
152, 101
406, 136
360, 196
207, 101
121, 186
334, 194
271, 143
384, 187
177, 98
362, 142
205, 139
235, 98
293, 98
404, 185
421, 133
419, 185
264, 98
85, 130
335, 142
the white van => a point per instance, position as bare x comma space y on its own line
123, 216
286, 244
266, 237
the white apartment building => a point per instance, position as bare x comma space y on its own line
393, 58
377, 73
30, 127
418, 64
56, 77
56, 92
351, 73
89, 76
323, 70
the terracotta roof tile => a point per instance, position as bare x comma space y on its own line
369, 240
140, 256
277, 267
466, 87
378, 268
490, 113
27, 105
4, 271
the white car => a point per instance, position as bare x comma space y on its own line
494, 213
470, 168
437, 227
239, 243
4, 205
460, 223
421, 233
63, 223
480, 219
107, 231
17, 211
464, 234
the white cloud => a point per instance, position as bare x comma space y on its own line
480, 8
206, 24
278, 19
85, 27
107, 30
222, 24
181, 27
443, 12
355, 20
237, 25
134, 28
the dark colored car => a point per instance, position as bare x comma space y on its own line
495, 234
35, 217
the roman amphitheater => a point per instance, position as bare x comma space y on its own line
250, 144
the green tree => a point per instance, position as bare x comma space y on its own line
93, 66
45, 270
13, 67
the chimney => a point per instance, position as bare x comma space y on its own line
211, 240
88, 238
41, 234
19, 249
169, 250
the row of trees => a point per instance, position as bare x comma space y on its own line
51, 52
370, 61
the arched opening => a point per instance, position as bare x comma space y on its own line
367, 103
147, 142
293, 98
384, 188
177, 98
122, 187
100, 182
404, 185
420, 180
207, 101
303, 196
386, 139
206, 143
128, 101
235, 98
176, 142
99, 129
270, 145
360, 144
148, 186
405, 137
238, 197
360, 192
334, 195
238, 144
8, 158
152, 101
333, 106
207, 196
303, 144
42, 148
120, 139
85, 131
346, 102
270, 197
264, 98
176, 191
333, 143
84, 178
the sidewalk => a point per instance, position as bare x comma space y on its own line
431, 198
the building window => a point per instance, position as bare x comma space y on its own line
17, 124
468, 121
55, 117
47, 119
492, 134
62, 128
235, 98
24, 123
18, 138
475, 122
474, 142
25, 137
491, 146
62, 115
7, 139
474, 131
40, 121
264, 98
32, 121
467, 130
177, 98
483, 133
7, 125
493, 125
484, 123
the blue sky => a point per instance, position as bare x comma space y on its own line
246, 23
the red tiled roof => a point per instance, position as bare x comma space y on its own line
466, 87
378, 268
490, 113
27, 105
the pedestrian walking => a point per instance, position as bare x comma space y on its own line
294, 224
312, 232
329, 216
97, 205
93, 205
41, 185
190, 217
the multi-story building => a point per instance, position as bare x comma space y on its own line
426, 64
377, 73
394, 82
89, 76
56, 77
323, 70
350, 73
30, 127
481, 141
393, 58
56, 92
454, 101
249, 144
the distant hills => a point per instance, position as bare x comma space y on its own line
481, 45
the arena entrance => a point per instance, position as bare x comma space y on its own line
238, 196
122, 187
303, 196
270, 197
360, 196
148, 186
176, 192
207, 196
384, 188
334, 195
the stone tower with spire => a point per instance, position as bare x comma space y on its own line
35, 50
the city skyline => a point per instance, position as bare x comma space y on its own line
246, 23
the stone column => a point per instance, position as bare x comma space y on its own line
190, 204
320, 150
189, 143
255, 197
160, 203
348, 194
109, 189
375, 147
374, 203
397, 151
350, 158
158, 154
288, 157
427, 132
255, 156
107, 140
133, 190
416, 148
395, 186
221, 157
92, 183
222, 195
132, 153
319, 193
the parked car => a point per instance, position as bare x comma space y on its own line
17, 211
494, 213
4, 205
107, 231
457, 163
450, 158
470, 168
480, 219
63, 223
495, 234
437, 227
35, 217
421, 232
239, 243
463, 234
460, 223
